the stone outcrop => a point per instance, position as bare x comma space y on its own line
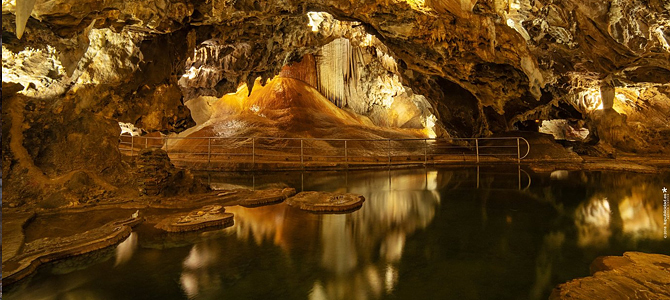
38, 252
157, 176
634, 275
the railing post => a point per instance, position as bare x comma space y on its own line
146, 142
167, 140
253, 153
209, 153
518, 152
477, 147
132, 145
302, 153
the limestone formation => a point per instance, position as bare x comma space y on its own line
634, 275
205, 217
157, 176
326, 202
38, 252
463, 68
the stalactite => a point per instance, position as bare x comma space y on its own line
337, 71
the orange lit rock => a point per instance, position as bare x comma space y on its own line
634, 275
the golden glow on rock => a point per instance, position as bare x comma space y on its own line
419, 5
661, 38
591, 99
315, 20
429, 127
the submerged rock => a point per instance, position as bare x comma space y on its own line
326, 202
634, 275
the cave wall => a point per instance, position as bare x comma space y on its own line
482, 66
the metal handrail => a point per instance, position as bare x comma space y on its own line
259, 148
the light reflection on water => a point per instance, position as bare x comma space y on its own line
421, 234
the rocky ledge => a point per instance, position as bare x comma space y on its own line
326, 202
634, 275
249, 198
45, 250
208, 216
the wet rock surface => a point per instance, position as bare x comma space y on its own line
260, 198
205, 217
326, 202
34, 253
634, 275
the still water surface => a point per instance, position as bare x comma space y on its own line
421, 234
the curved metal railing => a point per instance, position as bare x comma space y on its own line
255, 152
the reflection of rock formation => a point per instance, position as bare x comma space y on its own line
125, 250
632, 209
359, 251
592, 219
641, 215
378, 230
197, 276
261, 223
551, 248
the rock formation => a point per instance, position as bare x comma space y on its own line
71, 72
634, 275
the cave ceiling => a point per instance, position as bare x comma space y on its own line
518, 59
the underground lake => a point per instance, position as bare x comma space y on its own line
500, 232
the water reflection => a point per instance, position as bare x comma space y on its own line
429, 234
641, 214
125, 250
198, 276
633, 211
592, 219
359, 251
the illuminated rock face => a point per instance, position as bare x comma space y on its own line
478, 66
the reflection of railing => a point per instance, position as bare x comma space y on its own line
518, 173
252, 152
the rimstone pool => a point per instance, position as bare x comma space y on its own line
464, 233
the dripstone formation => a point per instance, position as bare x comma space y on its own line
464, 68
157, 176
